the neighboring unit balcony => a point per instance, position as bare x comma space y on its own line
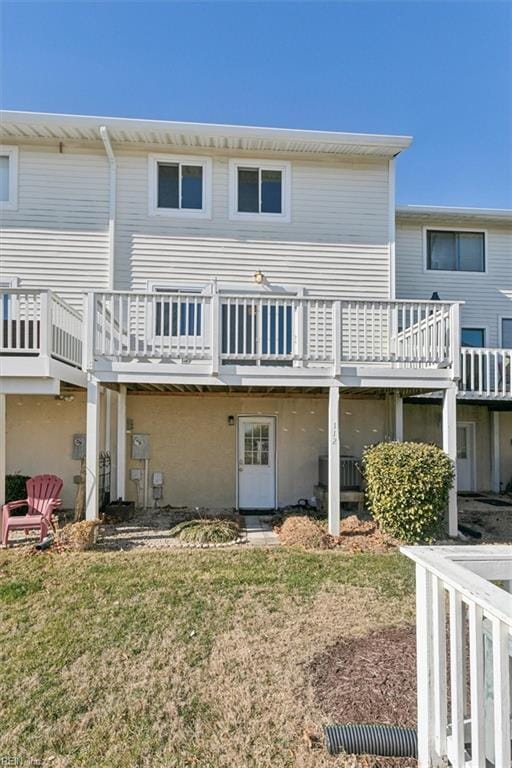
227, 332
486, 373
40, 336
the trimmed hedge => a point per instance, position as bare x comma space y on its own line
15, 489
407, 488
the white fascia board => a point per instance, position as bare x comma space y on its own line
393, 143
440, 211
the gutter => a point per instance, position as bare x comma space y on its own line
112, 205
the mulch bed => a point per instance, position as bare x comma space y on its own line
370, 679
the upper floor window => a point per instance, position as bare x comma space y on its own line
259, 190
506, 332
8, 177
180, 186
455, 251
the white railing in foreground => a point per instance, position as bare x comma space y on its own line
486, 372
464, 646
35, 322
269, 328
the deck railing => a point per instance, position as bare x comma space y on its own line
38, 322
270, 329
464, 647
486, 372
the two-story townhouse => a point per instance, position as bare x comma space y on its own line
466, 254
213, 305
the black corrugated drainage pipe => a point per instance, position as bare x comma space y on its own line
378, 740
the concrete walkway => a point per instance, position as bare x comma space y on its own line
259, 532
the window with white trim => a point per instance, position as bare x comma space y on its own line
8, 177
179, 186
506, 332
180, 314
259, 190
455, 251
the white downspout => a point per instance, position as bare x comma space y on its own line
391, 228
112, 205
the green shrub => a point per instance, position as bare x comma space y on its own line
206, 531
15, 489
407, 488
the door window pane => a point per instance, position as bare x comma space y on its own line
168, 185
441, 250
256, 444
462, 442
471, 251
271, 192
248, 190
506, 333
192, 187
472, 337
4, 178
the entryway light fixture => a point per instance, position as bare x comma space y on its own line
435, 297
231, 421
259, 277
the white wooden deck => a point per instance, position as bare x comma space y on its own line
233, 338
40, 342
464, 643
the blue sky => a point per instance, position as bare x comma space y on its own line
441, 71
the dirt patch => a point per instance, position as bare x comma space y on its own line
302, 531
370, 679
358, 535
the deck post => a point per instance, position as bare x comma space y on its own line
398, 414
334, 461
495, 451
450, 448
92, 451
121, 442
3, 444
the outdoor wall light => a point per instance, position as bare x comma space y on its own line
231, 421
259, 277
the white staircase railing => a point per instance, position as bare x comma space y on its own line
464, 646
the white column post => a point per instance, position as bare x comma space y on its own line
334, 461
450, 448
121, 442
3, 443
92, 453
495, 451
215, 329
398, 413
424, 665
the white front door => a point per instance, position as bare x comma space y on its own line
465, 456
256, 462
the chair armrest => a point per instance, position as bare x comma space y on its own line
13, 505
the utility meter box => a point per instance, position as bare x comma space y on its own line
135, 473
158, 479
79, 445
140, 447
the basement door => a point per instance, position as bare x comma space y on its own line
256, 462
466, 456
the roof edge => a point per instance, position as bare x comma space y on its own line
398, 142
438, 211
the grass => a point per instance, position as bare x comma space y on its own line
183, 658
206, 531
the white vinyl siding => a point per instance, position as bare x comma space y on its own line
58, 236
337, 240
487, 295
